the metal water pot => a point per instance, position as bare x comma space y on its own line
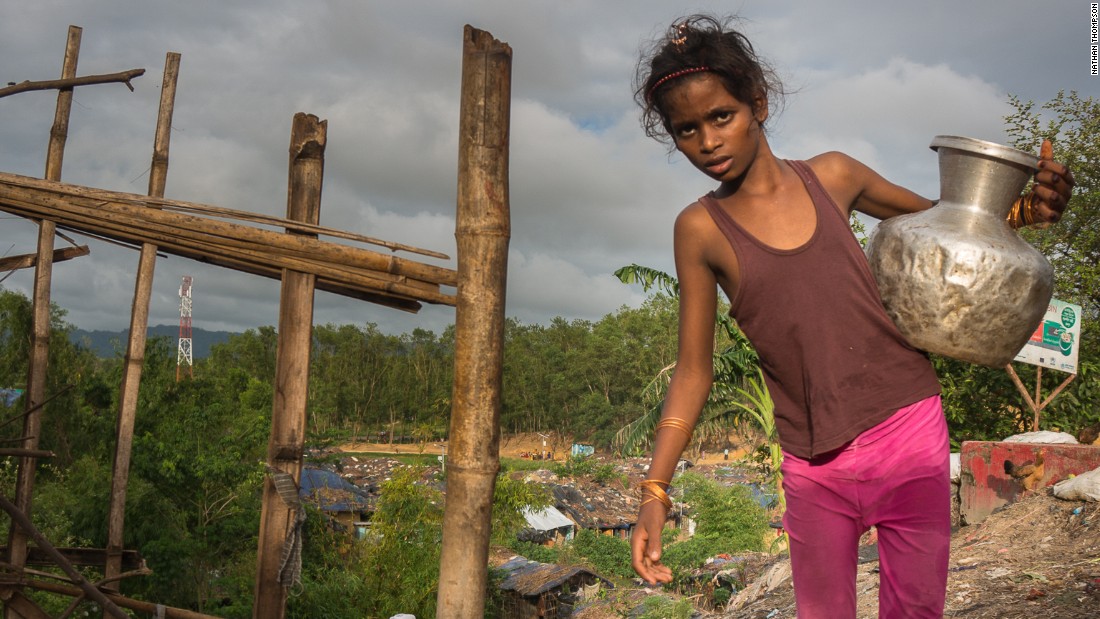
957, 279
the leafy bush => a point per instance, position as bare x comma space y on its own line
575, 466
608, 556
728, 520
535, 552
587, 466
510, 498
659, 607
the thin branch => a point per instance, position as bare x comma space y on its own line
62, 84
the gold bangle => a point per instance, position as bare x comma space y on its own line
1013, 217
651, 499
677, 423
652, 488
1027, 209
1024, 211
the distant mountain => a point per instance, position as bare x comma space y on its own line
109, 343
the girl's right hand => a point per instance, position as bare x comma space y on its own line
645, 544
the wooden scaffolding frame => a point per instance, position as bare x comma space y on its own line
304, 262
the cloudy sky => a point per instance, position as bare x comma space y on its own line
589, 193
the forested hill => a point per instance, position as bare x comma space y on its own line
106, 344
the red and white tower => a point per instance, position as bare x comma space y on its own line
183, 357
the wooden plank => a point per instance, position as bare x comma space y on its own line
24, 607
20, 518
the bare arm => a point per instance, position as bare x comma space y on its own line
854, 186
689, 388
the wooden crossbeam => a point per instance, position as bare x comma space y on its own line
26, 261
171, 225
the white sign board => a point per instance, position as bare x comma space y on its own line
1055, 342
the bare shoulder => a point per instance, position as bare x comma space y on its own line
842, 176
837, 168
695, 233
693, 216
853, 185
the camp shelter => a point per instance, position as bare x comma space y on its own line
341, 501
534, 590
547, 526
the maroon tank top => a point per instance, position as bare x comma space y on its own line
834, 362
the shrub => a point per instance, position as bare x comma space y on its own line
728, 520
608, 556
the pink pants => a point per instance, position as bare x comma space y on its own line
894, 476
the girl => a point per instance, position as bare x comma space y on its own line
857, 409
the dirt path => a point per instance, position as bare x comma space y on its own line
519, 446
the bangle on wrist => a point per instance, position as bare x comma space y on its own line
675, 423
1024, 211
652, 490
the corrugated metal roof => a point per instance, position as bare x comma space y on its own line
546, 519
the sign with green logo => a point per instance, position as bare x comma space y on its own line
1055, 341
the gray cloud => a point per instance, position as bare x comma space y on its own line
588, 192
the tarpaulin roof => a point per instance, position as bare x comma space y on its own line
546, 519
332, 492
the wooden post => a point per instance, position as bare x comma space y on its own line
1037, 404
482, 230
139, 325
40, 336
288, 415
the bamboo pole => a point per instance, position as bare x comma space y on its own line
32, 197
40, 333
139, 326
23, 519
25, 608
288, 415
151, 608
482, 229
178, 206
341, 277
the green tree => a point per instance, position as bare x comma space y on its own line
1072, 124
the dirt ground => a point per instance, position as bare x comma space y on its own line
1038, 558
523, 445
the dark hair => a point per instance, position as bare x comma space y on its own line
691, 43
